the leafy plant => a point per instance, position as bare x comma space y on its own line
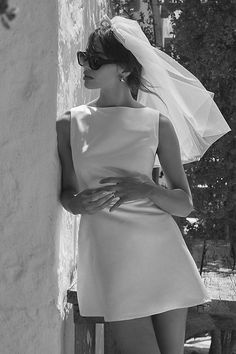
204, 41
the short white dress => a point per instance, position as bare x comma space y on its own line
132, 262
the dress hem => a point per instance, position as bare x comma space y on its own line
154, 312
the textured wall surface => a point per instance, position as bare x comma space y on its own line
38, 242
29, 319
77, 18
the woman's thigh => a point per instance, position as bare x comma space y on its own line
170, 328
135, 336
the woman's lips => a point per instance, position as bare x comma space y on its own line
87, 77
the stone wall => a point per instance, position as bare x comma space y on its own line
39, 80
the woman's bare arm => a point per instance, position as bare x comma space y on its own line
177, 199
69, 184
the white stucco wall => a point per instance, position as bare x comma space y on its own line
77, 18
38, 81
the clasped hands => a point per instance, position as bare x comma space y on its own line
117, 191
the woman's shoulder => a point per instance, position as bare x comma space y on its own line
165, 122
80, 107
63, 121
79, 112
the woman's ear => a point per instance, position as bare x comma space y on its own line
123, 72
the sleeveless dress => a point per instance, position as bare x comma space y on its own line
132, 262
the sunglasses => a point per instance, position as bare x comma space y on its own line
94, 61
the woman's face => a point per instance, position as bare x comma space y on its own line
106, 76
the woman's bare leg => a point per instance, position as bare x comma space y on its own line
135, 336
170, 330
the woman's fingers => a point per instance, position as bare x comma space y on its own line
100, 195
105, 200
93, 200
101, 191
98, 200
111, 180
117, 204
99, 204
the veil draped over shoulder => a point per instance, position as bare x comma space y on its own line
195, 116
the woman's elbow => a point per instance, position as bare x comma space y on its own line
189, 210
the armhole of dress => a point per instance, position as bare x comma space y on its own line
71, 130
156, 126
71, 135
156, 129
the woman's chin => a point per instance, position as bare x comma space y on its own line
88, 84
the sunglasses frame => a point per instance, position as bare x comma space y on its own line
88, 57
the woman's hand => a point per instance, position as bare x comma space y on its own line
90, 201
129, 188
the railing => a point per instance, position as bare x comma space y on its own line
85, 331
217, 318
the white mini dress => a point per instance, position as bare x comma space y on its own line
132, 262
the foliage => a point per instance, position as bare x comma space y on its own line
6, 14
204, 41
131, 9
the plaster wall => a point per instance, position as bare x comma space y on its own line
77, 19
39, 79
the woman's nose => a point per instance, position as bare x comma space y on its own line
86, 65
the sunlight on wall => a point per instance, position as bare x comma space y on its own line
76, 20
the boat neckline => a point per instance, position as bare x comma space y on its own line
115, 107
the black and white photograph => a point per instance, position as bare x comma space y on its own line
118, 177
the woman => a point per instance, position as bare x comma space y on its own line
134, 268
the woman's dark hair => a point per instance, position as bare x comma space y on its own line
113, 49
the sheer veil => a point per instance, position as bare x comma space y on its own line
195, 116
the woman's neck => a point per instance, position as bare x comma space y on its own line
108, 98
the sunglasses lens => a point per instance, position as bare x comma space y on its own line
94, 63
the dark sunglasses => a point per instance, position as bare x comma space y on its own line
94, 61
